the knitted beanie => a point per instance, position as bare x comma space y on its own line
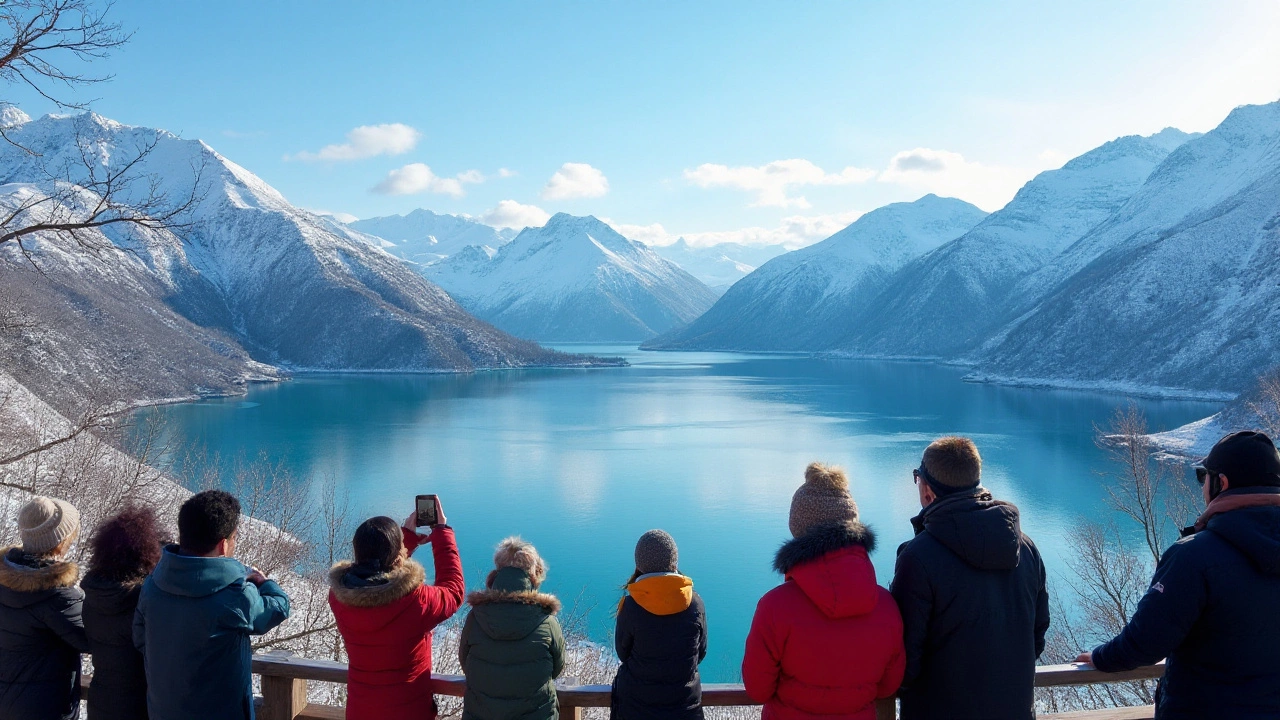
656, 552
823, 499
517, 553
45, 523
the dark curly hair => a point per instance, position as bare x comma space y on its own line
127, 546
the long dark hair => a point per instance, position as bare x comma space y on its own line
126, 546
377, 544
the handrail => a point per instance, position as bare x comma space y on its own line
284, 679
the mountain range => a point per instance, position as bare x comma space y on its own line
425, 237
721, 265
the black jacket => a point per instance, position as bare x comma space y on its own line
1212, 611
41, 638
119, 687
971, 588
661, 637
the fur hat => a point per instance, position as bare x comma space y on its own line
656, 552
823, 499
45, 523
516, 553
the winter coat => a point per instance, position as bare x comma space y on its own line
119, 687
661, 637
971, 587
511, 651
194, 619
827, 642
386, 620
41, 638
1211, 610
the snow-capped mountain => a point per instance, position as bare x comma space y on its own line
807, 298
950, 300
575, 279
249, 268
1178, 288
720, 265
425, 237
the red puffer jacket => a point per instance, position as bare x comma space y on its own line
386, 622
828, 641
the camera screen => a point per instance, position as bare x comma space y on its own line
426, 510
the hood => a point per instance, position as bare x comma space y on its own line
32, 579
662, 593
111, 597
831, 566
985, 533
191, 576
352, 587
1255, 532
511, 608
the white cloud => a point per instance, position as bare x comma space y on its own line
511, 214
771, 182
506, 173
367, 141
417, 178
575, 180
791, 232
950, 174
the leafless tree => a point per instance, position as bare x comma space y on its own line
1265, 402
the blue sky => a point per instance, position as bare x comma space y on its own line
764, 122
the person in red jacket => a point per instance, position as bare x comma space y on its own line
385, 613
827, 642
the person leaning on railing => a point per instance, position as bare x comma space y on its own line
827, 642
41, 633
386, 613
1211, 609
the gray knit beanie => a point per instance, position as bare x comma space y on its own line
656, 552
44, 523
823, 499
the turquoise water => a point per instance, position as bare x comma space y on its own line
707, 446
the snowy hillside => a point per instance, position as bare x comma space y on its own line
1178, 288
721, 265
806, 299
576, 279
250, 271
424, 237
950, 300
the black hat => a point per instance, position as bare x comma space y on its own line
1247, 458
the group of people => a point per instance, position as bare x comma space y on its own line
957, 634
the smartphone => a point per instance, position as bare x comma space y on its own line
427, 511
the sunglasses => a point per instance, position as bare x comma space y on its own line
1203, 473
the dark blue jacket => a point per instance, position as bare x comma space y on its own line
193, 623
1212, 611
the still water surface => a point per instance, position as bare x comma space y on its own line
707, 446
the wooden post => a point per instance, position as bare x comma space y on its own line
887, 709
283, 698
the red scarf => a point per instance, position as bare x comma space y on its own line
1226, 503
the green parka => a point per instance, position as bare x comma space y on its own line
511, 651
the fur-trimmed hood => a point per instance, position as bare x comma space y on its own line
382, 589
831, 566
20, 577
821, 540
511, 607
549, 604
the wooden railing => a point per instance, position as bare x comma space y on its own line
285, 677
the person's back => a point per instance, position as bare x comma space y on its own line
41, 633
196, 613
827, 642
971, 588
1211, 606
511, 647
386, 613
660, 637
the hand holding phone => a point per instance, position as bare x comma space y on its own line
428, 511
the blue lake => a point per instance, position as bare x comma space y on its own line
707, 446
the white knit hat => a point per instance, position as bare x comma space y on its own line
45, 523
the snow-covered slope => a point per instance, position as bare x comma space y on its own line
1178, 289
576, 279
805, 299
720, 265
425, 237
275, 279
951, 299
